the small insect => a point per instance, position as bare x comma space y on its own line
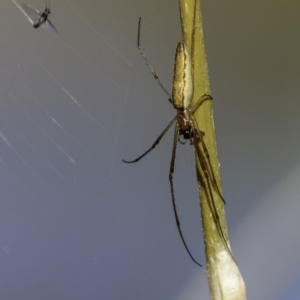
36, 18
185, 125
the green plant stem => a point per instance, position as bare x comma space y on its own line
225, 280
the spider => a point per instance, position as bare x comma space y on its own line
185, 126
36, 18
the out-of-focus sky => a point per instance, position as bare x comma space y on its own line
76, 222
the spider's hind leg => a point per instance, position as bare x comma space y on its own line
171, 172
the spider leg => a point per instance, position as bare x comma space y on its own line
173, 196
206, 182
203, 98
207, 163
147, 61
180, 141
154, 144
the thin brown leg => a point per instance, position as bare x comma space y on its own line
198, 135
203, 98
147, 62
173, 196
206, 182
153, 146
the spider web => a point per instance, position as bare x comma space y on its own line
63, 103
58, 138
41, 94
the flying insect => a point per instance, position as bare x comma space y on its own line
37, 18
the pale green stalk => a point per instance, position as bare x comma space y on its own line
225, 280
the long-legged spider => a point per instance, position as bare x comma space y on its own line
186, 126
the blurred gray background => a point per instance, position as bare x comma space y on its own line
76, 222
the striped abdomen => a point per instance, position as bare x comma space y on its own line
182, 90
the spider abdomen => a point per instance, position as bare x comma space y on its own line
182, 91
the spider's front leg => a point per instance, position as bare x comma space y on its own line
202, 99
